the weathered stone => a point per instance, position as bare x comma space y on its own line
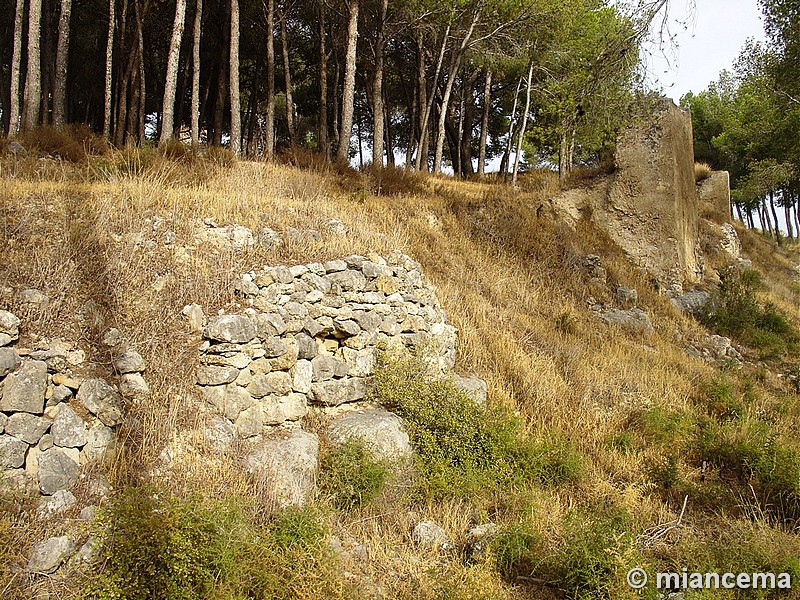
381, 431
313, 328
341, 391
230, 328
3, 421
388, 285
134, 387
692, 303
9, 361
716, 190
335, 227
360, 363
229, 400
130, 361
627, 297
9, 327
48, 555
13, 481
302, 374
102, 400
194, 316
56, 360
730, 243
57, 471
430, 535
45, 442
346, 328
219, 435
326, 367
23, 390
347, 280
216, 375
269, 239
12, 452
279, 409
474, 387
88, 513
479, 538
306, 347
91, 551
27, 427
287, 467
634, 319
334, 266
72, 383
61, 393
69, 430
99, 441
270, 324
274, 347
369, 320
250, 421
58, 502
317, 282
287, 360
112, 337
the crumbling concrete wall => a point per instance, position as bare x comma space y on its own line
649, 206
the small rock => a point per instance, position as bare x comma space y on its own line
430, 535
27, 427
634, 319
474, 387
228, 400
57, 471
627, 297
133, 386
99, 398
279, 409
9, 361
231, 328
99, 442
326, 367
24, 389
269, 239
88, 513
335, 227
341, 391
69, 430
302, 374
129, 361
250, 421
48, 555
61, 393
219, 435
694, 303
214, 375
9, 327
90, 551
3, 421
58, 502
195, 316
12, 452
112, 337
34, 297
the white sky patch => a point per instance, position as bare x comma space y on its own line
709, 39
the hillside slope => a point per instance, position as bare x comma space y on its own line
624, 424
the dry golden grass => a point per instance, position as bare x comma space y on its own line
702, 171
510, 278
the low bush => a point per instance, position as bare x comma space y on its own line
735, 310
50, 141
158, 547
464, 449
351, 476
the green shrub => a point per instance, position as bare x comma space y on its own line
734, 310
462, 448
719, 397
157, 547
351, 476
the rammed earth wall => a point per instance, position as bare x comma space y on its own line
310, 335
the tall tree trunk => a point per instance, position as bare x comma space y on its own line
377, 88
424, 140
487, 104
348, 93
287, 77
413, 130
788, 213
270, 125
521, 136
62, 60
336, 108
465, 139
765, 220
775, 217
387, 132
448, 90
16, 61
109, 70
512, 125
739, 212
171, 82
198, 19
236, 119
322, 125
33, 81
141, 96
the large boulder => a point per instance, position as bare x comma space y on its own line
286, 467
381, 431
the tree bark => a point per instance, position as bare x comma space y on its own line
171, 81
521, 136
62, 60
270, 125
33, 81
322, 125
377, 88
198, 18
788, 213
109, 70
487, 102
348, 93
287, 77
236, 124
425, 134
775, 217
511, 129
16, 61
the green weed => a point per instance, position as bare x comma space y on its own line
350, 475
